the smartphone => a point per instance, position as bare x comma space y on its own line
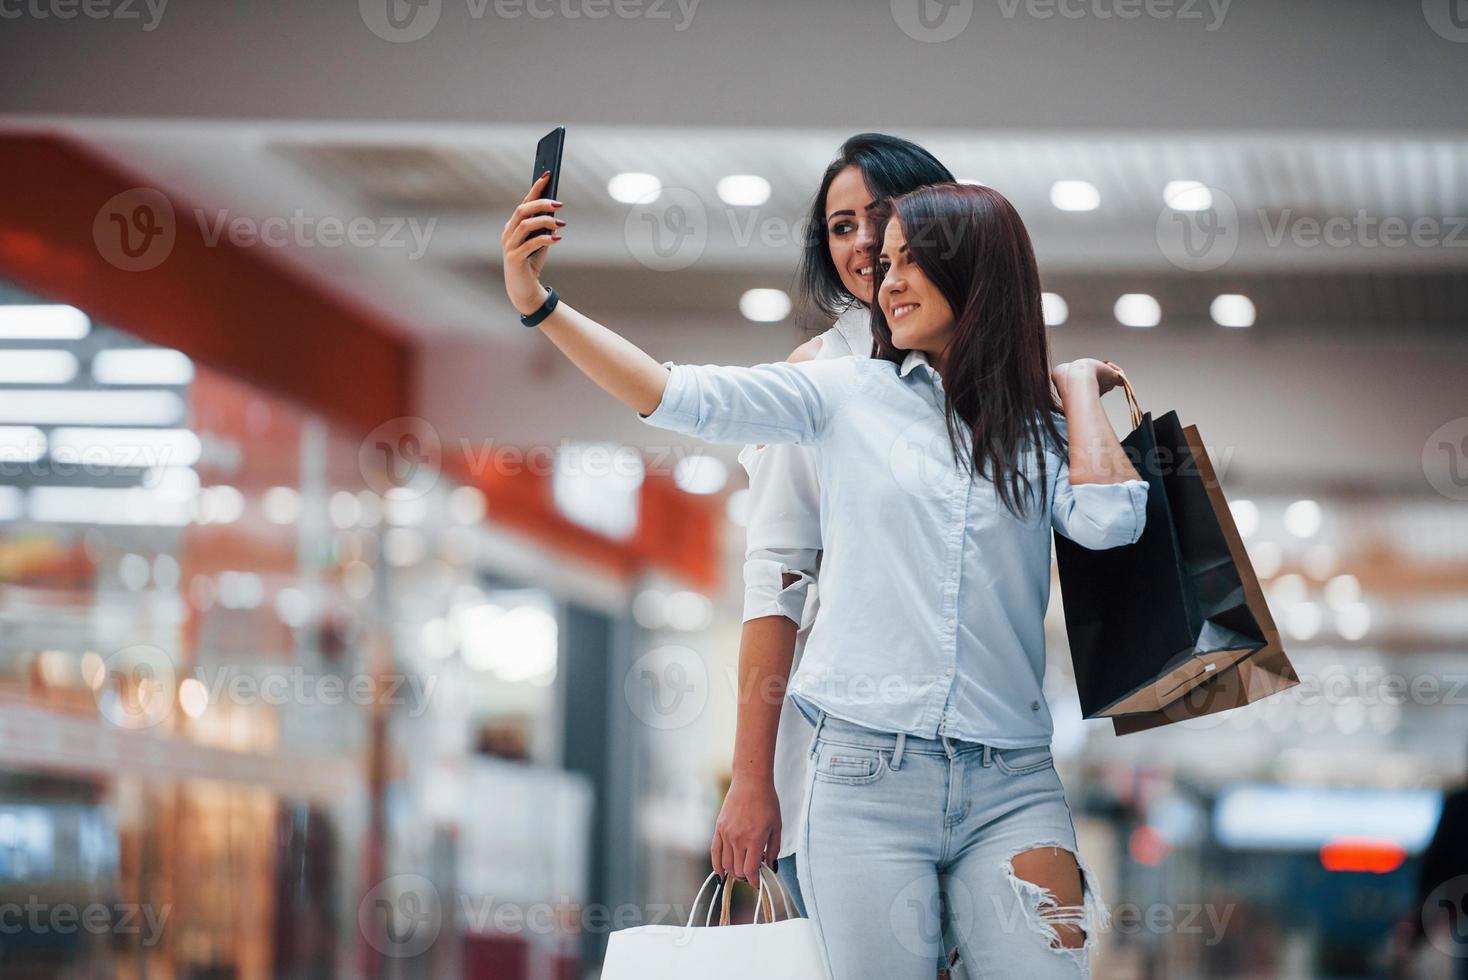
548, 157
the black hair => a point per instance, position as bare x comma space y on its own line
889, 166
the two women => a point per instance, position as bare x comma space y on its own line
761, 815
943, 463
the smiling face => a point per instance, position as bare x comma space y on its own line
849, 232
917, 312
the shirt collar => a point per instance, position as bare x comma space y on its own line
914, 359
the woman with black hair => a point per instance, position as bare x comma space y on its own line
944, 462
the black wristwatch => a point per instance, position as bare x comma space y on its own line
551, 299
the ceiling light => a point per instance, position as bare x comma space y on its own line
744, 190
37, 367
142, 366
765, 305
1353, 621
62, 407
1138, 310
102, 446
1342, 591
1054, 309
1187, 195
1232, 310
49, 322
21, 444
1075, 195
1303, 518
106, 505
634, 188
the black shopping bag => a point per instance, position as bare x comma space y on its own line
1267, 672
1153, 620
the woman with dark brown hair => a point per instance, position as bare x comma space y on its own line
944, 463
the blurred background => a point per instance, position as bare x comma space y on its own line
346, 631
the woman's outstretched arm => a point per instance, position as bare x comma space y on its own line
771, 403
618, 366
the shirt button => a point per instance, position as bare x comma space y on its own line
1034, 706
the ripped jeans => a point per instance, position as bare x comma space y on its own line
904, 835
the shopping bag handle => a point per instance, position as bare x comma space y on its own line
763, 900
1134, 407
777, 885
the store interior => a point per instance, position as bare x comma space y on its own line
347, 631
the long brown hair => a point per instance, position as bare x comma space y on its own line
970, 242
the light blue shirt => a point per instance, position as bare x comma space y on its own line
933, 594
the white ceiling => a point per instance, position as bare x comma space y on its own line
456, 186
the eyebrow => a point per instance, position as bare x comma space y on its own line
848, 211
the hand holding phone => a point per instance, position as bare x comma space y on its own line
524, 249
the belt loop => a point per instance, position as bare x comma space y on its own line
988, 754
897, 752
816, 735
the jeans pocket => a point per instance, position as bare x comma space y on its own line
1020, 762
848, 765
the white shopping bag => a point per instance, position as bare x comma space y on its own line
786, 949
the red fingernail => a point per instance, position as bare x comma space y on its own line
556, 204
560, 223
555, 238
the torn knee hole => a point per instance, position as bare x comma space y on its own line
1053, 889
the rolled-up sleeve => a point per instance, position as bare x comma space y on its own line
1100, 515
768, 403
783, 534
1096, 515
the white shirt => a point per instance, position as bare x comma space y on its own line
783, 534
933, 594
